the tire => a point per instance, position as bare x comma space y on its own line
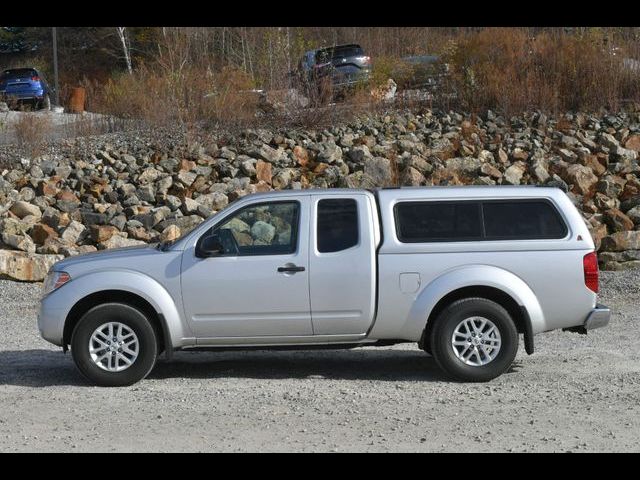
501, 342
135, 331
45, 104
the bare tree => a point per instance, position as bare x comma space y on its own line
126, 46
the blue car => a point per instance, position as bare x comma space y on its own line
25, 85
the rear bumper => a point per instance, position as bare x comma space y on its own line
597, 318
29, 95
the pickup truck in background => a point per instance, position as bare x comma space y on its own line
461, 271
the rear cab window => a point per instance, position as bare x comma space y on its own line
478, 220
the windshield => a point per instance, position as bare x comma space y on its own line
348, 51
18, 73
342, 51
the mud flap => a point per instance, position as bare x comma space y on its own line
528, 331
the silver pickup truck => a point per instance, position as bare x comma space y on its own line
462, 271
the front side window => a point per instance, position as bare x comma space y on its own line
337, 226
261, 229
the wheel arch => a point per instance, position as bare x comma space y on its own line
487, 281
85, 304
517, 312
122, 286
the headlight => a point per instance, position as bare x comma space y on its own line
54, 281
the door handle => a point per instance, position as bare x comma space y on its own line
290, 269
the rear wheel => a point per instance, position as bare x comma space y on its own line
45, 104
114, 345
474, 340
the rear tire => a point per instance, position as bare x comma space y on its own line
123, 357
46, 103
474, 340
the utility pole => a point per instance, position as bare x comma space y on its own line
56, 95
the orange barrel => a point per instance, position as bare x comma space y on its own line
77, 100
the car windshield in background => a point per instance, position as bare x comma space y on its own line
19, 73
326, 55
348, 51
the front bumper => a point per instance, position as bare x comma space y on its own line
597, 318
51, 318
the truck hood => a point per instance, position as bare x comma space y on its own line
116, 257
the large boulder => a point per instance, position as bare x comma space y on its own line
73, 232
513, 175
617, 220
263, 171
379, 171
466, 165
267, 153
172, 232
359, 154
22, 209
11, 226
620, 241
41, 233
263, 232
19, 242
213, 201
24, 266
118, 241
582, 178
412, 177
633, 143
102, 233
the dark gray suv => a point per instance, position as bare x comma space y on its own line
340, 67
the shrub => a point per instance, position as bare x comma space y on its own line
510, 70
186, 98
31, 131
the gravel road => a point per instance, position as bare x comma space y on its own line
576, 393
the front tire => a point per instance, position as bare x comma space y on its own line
114, 345
474, 340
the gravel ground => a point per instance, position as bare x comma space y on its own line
576, 393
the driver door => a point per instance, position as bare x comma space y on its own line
258, 285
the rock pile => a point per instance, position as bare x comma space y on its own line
114, 194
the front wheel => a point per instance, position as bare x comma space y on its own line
474, 340
114, 345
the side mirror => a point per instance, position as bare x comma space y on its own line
209, 246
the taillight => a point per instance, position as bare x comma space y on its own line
35, 79
590, 265
366, 60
